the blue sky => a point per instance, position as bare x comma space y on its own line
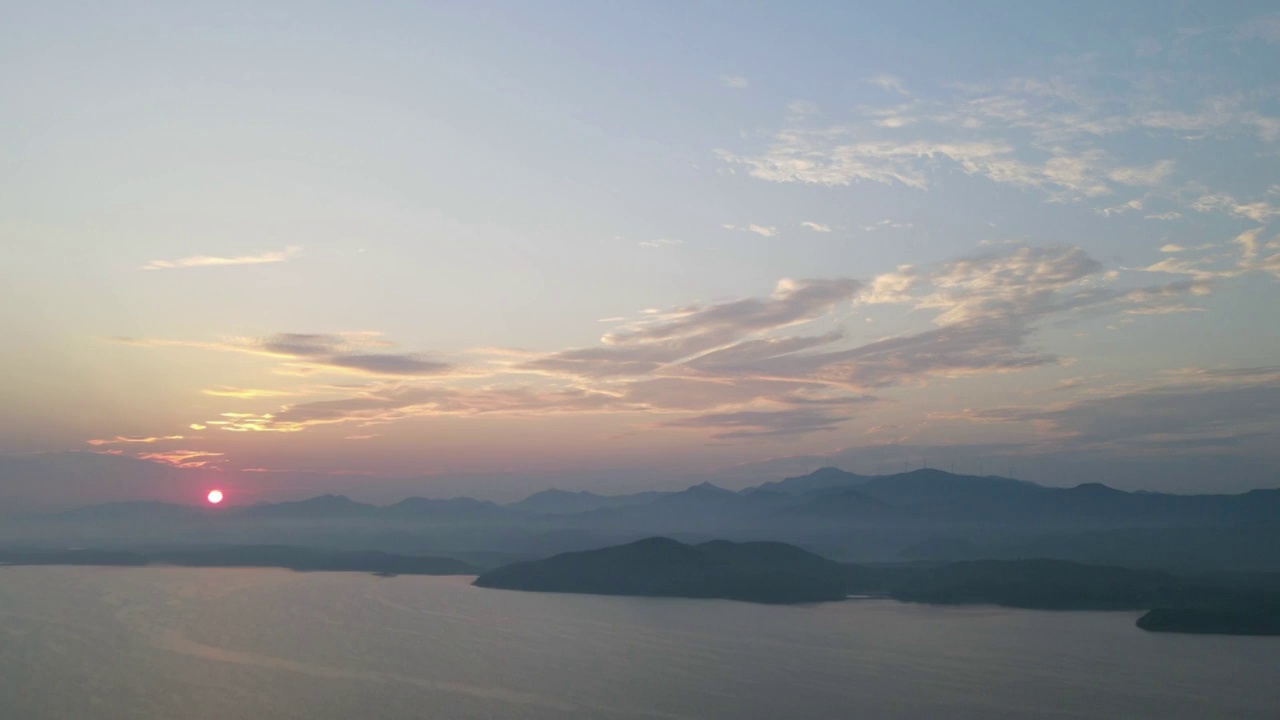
671, 238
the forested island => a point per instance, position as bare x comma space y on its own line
756, 571
772, 572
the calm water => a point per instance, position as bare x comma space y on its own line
192, 643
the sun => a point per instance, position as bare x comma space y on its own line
215, 496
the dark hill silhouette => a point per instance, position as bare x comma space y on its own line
938, 498
455, 509
822, 479
564, 502
758, 572
556, 501
769, 555
842, 506
929, 486
1243, 547
703, 508
322, 506
1260, 618
1048, 584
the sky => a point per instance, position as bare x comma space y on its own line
660, 239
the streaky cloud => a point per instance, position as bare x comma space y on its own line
275, 256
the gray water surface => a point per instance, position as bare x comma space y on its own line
224, 643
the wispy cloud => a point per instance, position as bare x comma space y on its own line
1150, 175
244, 393
214, 260
764, 366
660, 242
762, 230
889, 83
1252, 257
1193, 404
1175, 248
1259, 211
1061, 138
737, 82
887, 224
126, 440
891, 287
1132, 205
668, 336
815, 226
761, 423
1265, 28
398, 402
819, 157
357, 353
189, 459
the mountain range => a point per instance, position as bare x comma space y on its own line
924, 514
827, 496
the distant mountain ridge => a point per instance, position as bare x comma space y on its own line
921, 515
565, 502
828, 495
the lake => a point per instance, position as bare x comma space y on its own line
227, 643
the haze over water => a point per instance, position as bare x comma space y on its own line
170, 642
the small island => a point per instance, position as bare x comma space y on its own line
764, 572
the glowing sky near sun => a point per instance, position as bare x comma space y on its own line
424, 240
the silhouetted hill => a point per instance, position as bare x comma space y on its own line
553, 502
822, 479
937, 498
840, 505
702, 508
767, 555
1246, 547
564, 502
323, 506
758, 572
73, 556
781, 573
1050, 584
929, 486
460, 508
1249, 619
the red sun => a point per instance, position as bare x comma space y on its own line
215, 496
